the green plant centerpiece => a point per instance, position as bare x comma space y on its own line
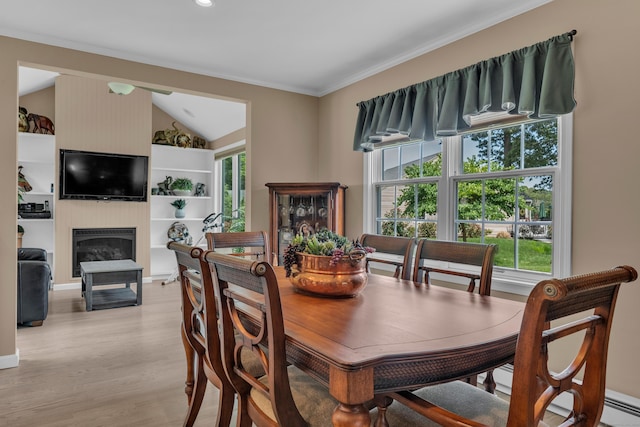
326, 264
181, 186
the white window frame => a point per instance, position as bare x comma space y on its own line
231, 150
506, 280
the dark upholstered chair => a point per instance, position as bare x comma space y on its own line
34, 281
286, 396
534, 387
247, 244
391, 250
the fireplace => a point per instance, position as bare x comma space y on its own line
102, 244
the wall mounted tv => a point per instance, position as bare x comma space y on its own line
86, 175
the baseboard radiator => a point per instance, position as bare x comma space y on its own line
620, 410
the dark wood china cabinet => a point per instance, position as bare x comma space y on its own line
303, 207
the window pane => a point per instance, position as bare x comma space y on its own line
432, 158
536, 193
390, 163
387, 202
427, 230
410, 160
505, 148
500, 196
470, 200
505, 256
475, 153
534, 255
406, 201
541, 144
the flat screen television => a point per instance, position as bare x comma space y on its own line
86, 175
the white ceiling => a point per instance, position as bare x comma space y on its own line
303, 46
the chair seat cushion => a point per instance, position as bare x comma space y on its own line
458, 397
312, 399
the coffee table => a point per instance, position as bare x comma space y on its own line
96, 273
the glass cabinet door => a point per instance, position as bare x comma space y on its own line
301, 214
303, 208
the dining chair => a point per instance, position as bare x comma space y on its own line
250, 306
456, 255
388, 249
246, 244
199, 334
593, 297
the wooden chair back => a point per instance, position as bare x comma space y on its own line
246, 244
199, 331
250, 288
535, 386
472, 254
578, 310
390, 245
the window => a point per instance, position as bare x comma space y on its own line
231, 199
506, 185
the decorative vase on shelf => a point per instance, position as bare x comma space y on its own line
179, 204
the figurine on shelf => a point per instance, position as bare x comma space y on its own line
23, 122
200, 190
163, 187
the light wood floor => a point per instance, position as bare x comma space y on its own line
115, 367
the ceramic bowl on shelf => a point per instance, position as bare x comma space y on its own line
181, 193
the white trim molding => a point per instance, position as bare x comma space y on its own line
10, 360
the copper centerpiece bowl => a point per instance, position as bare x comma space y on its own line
316, 275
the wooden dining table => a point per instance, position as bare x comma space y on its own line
395, 335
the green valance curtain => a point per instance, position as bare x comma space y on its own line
536, 81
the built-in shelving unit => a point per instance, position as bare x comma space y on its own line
36, 154
196, 164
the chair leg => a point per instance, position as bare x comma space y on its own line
489, 383
190, 356
37, 323
226, 397
244, 420
197, 395
382, 402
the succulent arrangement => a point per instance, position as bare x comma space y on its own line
179, 203
323, 243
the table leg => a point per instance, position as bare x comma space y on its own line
352, 389
88, 293
139, 287
351, 416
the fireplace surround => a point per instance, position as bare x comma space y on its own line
101, 244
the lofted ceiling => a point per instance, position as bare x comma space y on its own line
307, 47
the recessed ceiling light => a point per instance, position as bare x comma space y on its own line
204, 3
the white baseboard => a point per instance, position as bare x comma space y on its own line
620, 410
10, 360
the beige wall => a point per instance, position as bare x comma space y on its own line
606, 228
90, 118
273, 117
